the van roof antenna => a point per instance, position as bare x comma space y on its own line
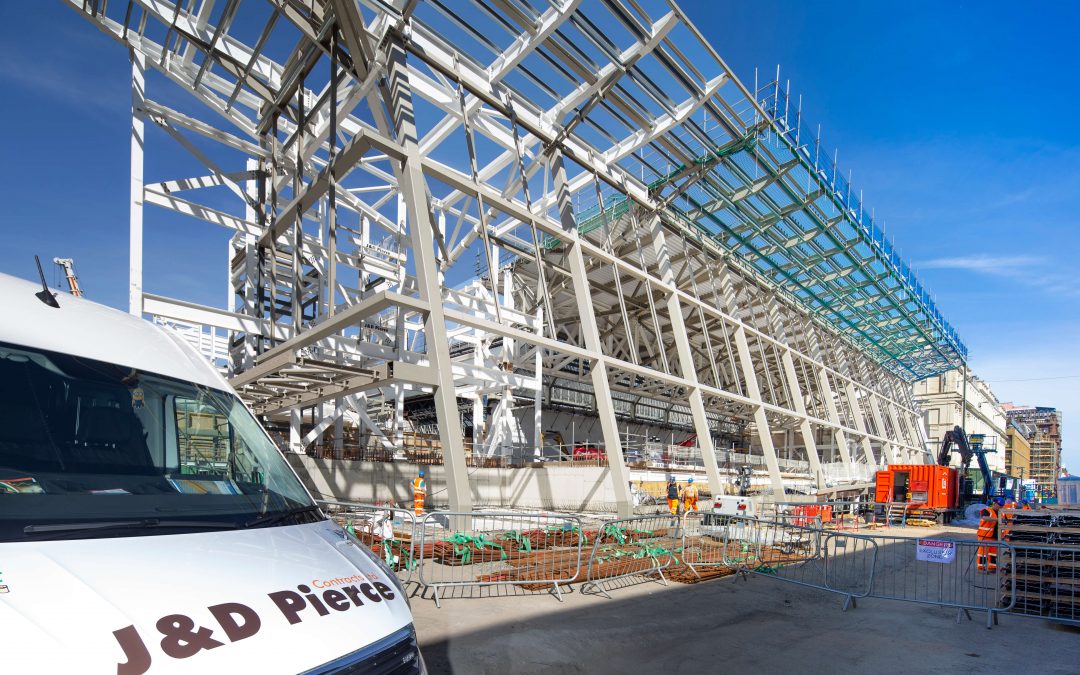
45, 295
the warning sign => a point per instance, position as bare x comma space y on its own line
934, 550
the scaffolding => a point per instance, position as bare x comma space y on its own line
468, 218
1042, 427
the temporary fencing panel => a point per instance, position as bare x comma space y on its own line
645, 545
840, 514
962, 573
534, 551
703, 545
792, 549
387, 530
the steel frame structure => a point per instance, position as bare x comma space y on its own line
492, 200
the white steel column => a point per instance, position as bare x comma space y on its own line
813, 340
753, 391
538, 395
899, 432
421, 232
295, 442
860, 422
598, 373
806, 430
879, 422
138, 146
686, 359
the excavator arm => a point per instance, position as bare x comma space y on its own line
958, 438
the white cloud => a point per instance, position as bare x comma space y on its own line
1001, 265
1027, 270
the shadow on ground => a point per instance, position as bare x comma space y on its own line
756, 625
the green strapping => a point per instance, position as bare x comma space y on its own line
521, 539
573, 528
616, 532
461, 542
388, 553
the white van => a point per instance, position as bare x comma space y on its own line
148, 524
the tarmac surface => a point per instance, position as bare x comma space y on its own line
756, 624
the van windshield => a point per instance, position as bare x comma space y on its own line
93, 449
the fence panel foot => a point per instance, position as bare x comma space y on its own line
557, 591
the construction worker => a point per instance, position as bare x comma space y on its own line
672, 496
419, 493
986, 556
689, 496
1025, 505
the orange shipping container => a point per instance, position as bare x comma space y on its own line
920, 485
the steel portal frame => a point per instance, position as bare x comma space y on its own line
642, 223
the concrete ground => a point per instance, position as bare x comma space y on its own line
759, 624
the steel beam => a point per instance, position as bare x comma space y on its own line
413, 187
138, 141
620, 477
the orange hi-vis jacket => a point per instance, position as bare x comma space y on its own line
689, 497
988, 524
986, 556
419, 492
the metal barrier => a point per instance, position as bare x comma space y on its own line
839, 514
535, 551
703, 544
790, 549
640, 546
962, 573
387, 530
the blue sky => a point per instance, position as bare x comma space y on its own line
956, 120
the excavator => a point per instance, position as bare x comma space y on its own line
967, 450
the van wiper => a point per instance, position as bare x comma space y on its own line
274, 518
146, 523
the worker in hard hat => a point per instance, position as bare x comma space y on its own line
1025, 505
689, 496
986, 556
419, 493
672, 496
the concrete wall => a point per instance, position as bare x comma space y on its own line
556, 488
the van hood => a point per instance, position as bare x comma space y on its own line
278, 599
